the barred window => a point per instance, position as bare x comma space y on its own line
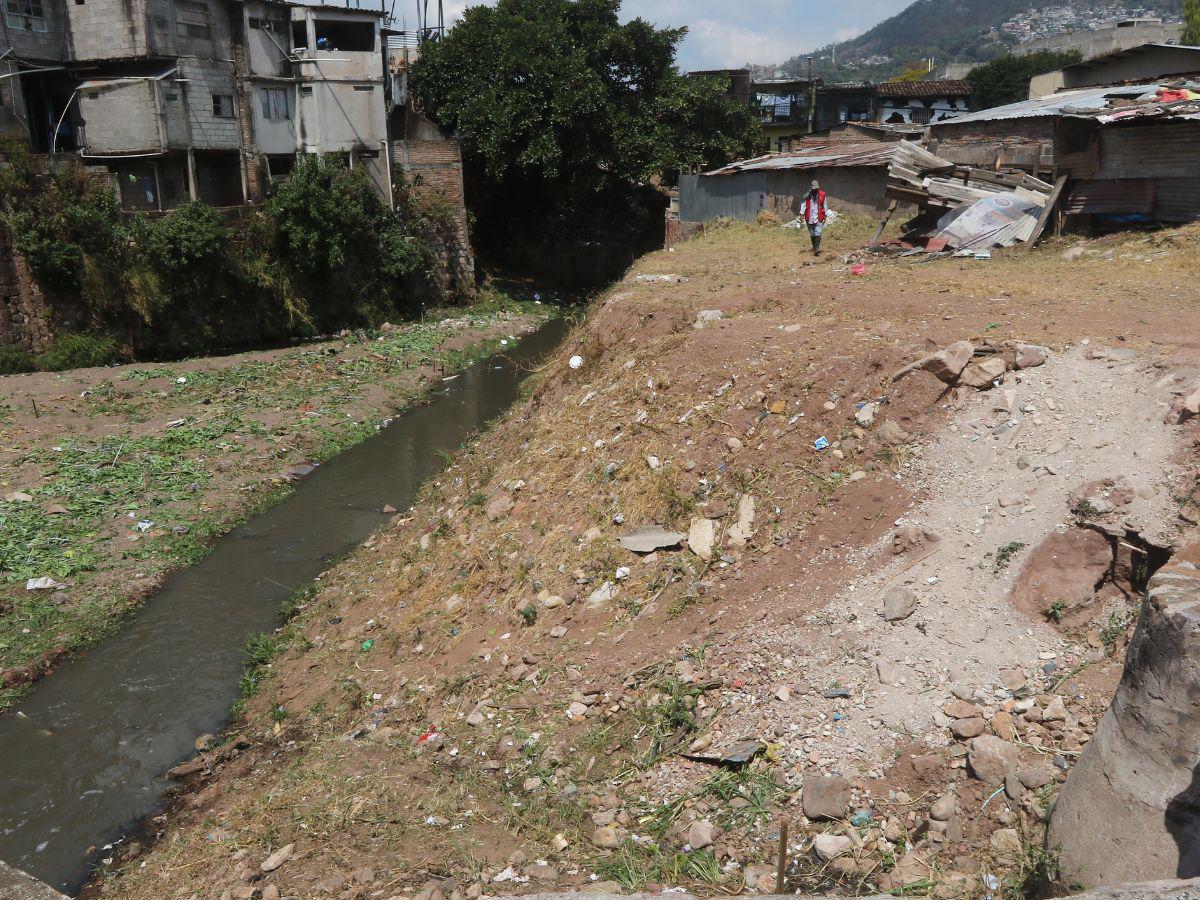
223, 106
28, 15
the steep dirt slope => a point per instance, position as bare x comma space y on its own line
494, 696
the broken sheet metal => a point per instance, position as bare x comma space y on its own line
997, 221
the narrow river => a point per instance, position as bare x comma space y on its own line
85, 761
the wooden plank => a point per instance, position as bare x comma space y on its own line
886, 218
1046, 212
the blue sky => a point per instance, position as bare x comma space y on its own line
724, 33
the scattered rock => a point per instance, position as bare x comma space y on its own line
943, 808
961, 709
650, 538
947, 365
1006, 842
1064, 568
865, 416
983, 374
707, 315
499, 507
898, 604
830, 846
608, 837
825, 797
964, 729
743, 529
893, 434
1029, 356
606, 593
702, 536
700, 834
991, 758
278, 858
1034, 777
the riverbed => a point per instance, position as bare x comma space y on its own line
85, 755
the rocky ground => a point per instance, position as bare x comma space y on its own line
778, 549
112, 478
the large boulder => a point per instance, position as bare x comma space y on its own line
1130, 810
1065, 568
946, 365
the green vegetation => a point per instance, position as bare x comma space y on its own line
1056, 610
111, 514
1036, 868
323, 253
1006, 79
1191, 23
565, 115
14, 360
1004, 556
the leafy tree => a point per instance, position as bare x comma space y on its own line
1006, 79
560, 89
566, 115
1191, 23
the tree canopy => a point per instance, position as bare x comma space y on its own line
561, 90
1191, 23
1006, 79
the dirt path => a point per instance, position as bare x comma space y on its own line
992, 498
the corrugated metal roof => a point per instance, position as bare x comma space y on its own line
1062, 103
836, 154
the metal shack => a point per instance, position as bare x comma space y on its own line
852, 172
1126, 152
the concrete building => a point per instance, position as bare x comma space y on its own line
203, 99
921, 102
1134, 65
1108, 38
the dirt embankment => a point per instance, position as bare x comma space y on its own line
857, 635
112, 478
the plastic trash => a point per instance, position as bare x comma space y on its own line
821, 443
45, 583
858, 269
576, 362
860, 818
367, 645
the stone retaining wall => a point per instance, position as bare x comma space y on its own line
25, 316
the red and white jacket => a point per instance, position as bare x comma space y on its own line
805, 210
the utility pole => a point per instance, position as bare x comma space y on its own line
812, 97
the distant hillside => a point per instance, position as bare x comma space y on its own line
951, 31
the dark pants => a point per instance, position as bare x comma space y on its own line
814, 231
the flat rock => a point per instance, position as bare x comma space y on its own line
898, 604
702, 536
278, 858
825, 797
650, 538
982, 375
831, 846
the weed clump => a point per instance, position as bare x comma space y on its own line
79, 351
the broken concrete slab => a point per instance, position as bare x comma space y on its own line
16, 885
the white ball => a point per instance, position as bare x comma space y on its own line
576, 362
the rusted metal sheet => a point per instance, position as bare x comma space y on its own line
1166, 150
1177, 200
1128, 197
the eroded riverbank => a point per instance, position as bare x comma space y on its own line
86, 755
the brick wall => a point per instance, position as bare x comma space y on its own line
25, 318
433, 170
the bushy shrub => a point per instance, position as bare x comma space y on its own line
79, 351
14, 360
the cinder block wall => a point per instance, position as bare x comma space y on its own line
433, 170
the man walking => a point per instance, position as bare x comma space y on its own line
814, 212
